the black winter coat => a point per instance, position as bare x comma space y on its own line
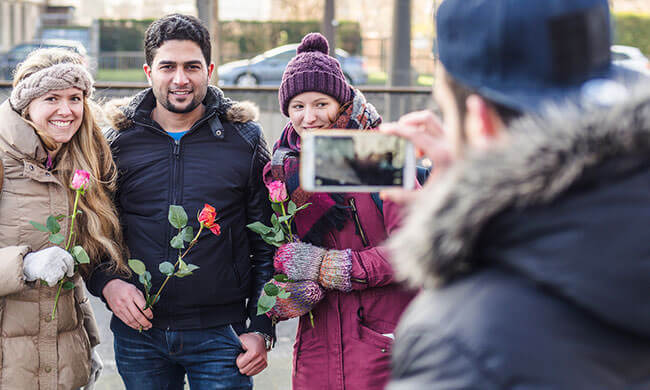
219, 162
535, 258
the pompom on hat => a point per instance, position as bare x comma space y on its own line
313, 70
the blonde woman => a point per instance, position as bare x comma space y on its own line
47, 132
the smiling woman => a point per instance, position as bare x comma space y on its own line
48, 132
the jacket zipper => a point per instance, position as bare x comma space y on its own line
362, 233
355, 215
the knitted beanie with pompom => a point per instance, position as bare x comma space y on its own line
313, 70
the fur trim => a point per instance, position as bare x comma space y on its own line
537, 162
242, 112
119, 112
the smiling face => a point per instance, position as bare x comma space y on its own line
312, 111
58, 113
179, 76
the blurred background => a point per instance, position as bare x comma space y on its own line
386, 48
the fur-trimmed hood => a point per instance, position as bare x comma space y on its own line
119, 113
564, 201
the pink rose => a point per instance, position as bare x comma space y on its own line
277, 191
80, 180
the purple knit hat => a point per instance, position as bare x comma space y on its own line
313, 70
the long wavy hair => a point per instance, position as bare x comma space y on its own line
98, 228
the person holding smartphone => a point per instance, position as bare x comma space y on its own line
345, 341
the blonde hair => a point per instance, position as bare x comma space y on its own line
98, 226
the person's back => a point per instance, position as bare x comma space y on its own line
554, 228
532, 245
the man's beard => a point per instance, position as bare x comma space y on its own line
181, 110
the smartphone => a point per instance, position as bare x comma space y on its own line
340, 160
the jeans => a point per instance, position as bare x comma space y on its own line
158, 359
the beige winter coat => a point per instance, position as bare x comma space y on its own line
36, 352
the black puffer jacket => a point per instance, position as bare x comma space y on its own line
219, 162
535, 259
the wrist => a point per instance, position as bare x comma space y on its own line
268, 340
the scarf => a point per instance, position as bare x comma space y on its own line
327, 211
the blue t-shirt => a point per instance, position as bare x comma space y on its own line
177, 135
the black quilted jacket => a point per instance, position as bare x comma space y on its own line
217, 162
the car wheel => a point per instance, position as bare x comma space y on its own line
246, 80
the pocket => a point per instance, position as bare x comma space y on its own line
375, 351
235, 336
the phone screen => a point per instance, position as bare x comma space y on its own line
355, 161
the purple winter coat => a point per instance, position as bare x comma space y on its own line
346, 348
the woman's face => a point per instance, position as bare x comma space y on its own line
58, 113
312, 111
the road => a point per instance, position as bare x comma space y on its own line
276, 377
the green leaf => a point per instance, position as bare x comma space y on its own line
271, 241
284, 294
137, 266
264, 304
277, 207
39, 227
68, 285
304, 206
80, 255
281, 278
274, 221
52, 225
291, 210
279, 236
177, 216
166, 268
186, 271
284, 218
271, 289
259, 227
56, 238
60, 217
177, 241
188, 233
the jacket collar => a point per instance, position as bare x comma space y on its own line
121, 113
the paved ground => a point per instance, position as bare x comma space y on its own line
276, 377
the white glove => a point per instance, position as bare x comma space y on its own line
96, 367
49, 264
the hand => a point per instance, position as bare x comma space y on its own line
302, 261
253, 360
49, 264
304, 295
126, 302
425, 131
96, 367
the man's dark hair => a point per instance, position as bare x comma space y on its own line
462, 92
179, 27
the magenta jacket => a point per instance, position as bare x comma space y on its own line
347, 347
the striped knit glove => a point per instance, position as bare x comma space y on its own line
302, 261
304, 295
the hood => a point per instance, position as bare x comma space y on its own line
564, 202
119, 113
17, 138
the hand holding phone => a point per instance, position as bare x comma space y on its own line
340, 160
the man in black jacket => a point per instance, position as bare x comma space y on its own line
532, 244
183, 142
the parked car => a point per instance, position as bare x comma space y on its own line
630, 57
18, 53
267, 68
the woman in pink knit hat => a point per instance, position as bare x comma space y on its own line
354, 298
